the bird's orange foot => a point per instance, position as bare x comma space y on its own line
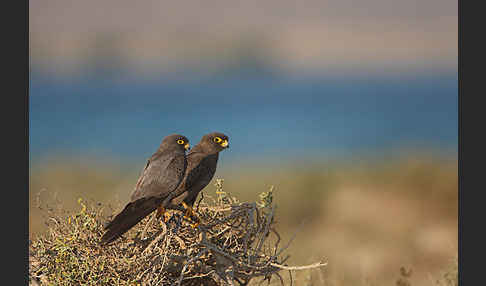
195, 221
167, 217
191, 215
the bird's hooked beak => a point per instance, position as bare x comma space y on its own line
225, 144
187, 146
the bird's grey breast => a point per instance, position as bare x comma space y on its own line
162, 175
202, 170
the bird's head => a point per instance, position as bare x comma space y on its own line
176, 141
215, 142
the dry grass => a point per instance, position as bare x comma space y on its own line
366, 219
235, 242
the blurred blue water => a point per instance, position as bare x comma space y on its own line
262, 115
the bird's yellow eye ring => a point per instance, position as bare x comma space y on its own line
217, 139
180, 141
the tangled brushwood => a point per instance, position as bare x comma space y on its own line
234, 243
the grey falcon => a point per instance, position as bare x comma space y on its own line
155, 188
202, 161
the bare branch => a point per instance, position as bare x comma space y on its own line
314, 265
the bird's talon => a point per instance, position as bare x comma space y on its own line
167, 217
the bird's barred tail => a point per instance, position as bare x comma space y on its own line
133, 213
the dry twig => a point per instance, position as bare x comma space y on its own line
230, 246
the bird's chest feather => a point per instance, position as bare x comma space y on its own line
202, 170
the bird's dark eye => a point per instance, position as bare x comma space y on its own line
180, 141
217, 139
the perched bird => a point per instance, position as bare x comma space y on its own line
201, 166
155, 188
